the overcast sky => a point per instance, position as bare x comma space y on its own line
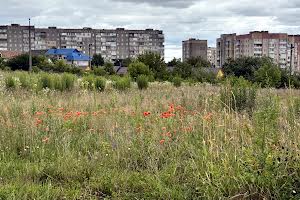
179, 19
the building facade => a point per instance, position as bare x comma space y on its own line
212, 56
194, 48
258, 44
114, 44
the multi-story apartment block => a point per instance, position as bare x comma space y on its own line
258, 44
212, 55
194, 48
111, 44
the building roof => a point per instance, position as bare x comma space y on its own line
71, 54
61, 51
9, 54
78, 57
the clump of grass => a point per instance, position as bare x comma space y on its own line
100, 84
177, 81
142, 82
122, 83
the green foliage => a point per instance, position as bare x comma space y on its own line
177, 81
100, 84
10, 82
99, 71
88, 82
204, 75
137, 68
245, 66
198, 62
142, 82
183, 70
109, 68
122, 83
238, 94
67, 81
126, 62
269, 75
97, 60
174, 62
155, 63
46, 81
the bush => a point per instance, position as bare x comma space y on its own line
10, 82
177, 81
88, 82
99, 71
269, 75
142, 82
136, 69
239, 95
45, 81
109, 68
67, 81
100, 83
122, 83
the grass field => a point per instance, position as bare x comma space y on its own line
159, 143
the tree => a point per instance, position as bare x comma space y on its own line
97, 60
245, 66
155, 63
109, 68
174, 62
183, 70
21, 62
137, 69
269, 75
198, 62
2, 63
126, 62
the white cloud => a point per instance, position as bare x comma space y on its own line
179, 19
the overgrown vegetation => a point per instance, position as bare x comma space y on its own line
197, 142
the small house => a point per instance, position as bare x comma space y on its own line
71, 56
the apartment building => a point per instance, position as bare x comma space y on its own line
114, 44
258, 44
212, 55
194, 48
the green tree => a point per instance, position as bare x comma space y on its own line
109, 68
245, 66
183, 70
269, 75
174, 62
97, 60
198, 62
21, 62
126, 62
2, 63
155, 63
137, 68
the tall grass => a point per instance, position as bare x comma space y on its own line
155, 144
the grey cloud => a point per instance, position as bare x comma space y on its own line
164, 3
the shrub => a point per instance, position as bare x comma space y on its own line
10, 82
269, 75
35, 69
136, 69
122, 83
100, 83
88, 82
142, 82
67, 81
109, 68
99, 71
25, 80
238, 94
177, 81
45, 81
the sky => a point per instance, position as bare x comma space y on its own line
179, 19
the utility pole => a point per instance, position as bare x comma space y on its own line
30, 54
291, 59
90, 61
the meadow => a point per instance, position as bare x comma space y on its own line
165, 142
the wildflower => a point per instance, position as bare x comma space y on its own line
171, 108
208, 117
162, 141
39, 113
180, 108
61, 109
146, 114
94, 113
78, 114
168, 134
166, 115
163, 128
38, 122
45, 140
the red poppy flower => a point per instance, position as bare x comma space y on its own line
146, 114
38, 122
162, 142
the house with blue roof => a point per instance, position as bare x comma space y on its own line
71, 56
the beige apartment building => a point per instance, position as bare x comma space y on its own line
212, 56
194, 48
258, 44
112, 44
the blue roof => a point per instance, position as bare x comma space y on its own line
61, 51
78, 57
71, 54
